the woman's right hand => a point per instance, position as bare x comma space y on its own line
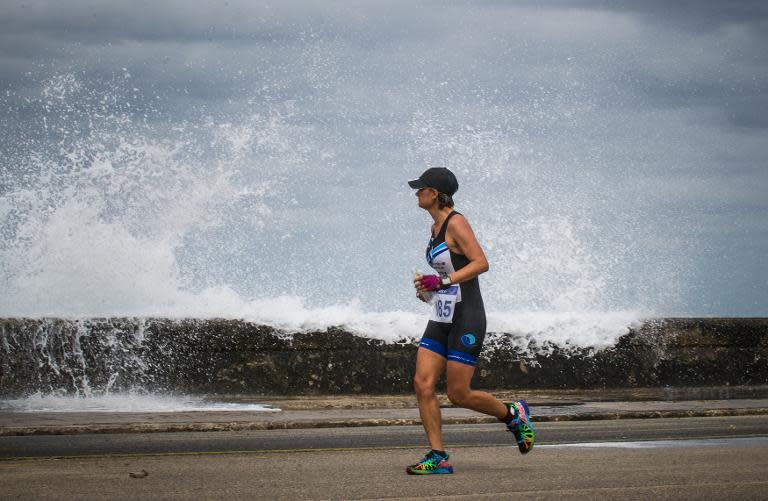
417, 285
417, 280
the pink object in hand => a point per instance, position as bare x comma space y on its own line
430, 282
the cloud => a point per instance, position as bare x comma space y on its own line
620, 113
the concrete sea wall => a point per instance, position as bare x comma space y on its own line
231, 356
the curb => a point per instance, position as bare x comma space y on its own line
355, 423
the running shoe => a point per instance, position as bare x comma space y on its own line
520, 425
433, 463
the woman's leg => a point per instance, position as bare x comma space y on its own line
429, 368
459, 392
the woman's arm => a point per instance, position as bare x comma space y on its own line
464, 239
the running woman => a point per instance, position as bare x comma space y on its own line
454, 334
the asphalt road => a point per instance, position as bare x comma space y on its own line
376, 437
689, 458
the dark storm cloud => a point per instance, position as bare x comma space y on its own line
617, 55
62, 30
750, 114
235, 22
695, 14
96, 22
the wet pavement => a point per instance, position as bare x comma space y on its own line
369, 410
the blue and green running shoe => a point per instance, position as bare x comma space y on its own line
520, 425
432, 464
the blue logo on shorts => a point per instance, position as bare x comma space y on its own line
468, 340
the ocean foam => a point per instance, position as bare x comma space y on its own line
126, 402
129, 217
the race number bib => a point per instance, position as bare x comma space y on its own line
444, 304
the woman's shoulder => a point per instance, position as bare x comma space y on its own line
458, 221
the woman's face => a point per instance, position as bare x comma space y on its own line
426, 196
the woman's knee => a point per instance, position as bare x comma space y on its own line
424, 386
458, 395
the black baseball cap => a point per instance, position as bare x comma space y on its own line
438, 178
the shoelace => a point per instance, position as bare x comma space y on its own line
519, 416
432, 456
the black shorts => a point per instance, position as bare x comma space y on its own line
459, 341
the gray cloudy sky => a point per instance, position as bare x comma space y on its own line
630, 137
